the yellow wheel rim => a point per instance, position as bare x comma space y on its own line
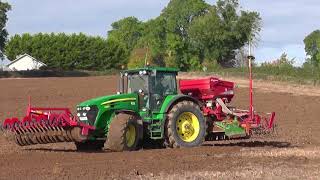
188, 126
130, 135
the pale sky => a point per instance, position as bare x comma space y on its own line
285, 22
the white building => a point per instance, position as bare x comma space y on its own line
25, 62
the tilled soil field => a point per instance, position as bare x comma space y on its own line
293, 153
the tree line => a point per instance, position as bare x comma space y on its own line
68, 52
188, 34
312, 48
4, 8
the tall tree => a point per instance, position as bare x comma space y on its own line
126, 31
312, 48
223, 30
152, 44
179, 15
4, 8
189, 32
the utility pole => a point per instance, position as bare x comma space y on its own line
146, 63
250, 59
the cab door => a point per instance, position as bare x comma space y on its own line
162, 84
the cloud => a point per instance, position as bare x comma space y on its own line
93, 17
285, 24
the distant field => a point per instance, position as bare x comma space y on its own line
292, 75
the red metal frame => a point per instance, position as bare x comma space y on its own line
46, 117
207, 90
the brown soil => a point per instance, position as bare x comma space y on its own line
294, 153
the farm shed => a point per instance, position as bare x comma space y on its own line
25, 62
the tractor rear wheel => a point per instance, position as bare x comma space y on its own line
89, 146
124, 133
185, 125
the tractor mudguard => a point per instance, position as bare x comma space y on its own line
173, 99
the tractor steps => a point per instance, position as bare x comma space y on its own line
156, 131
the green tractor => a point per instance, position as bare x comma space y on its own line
147, 107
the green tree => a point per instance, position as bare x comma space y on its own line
139, 57
285, 61
4, 8
179, 15
153, 40
282, 62
223, 30
312, 48
188, 34
126, 31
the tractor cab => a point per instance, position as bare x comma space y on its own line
152, 85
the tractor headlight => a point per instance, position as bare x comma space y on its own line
88, 114
144, 72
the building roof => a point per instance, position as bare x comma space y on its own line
24, 55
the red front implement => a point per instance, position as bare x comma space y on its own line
46, 125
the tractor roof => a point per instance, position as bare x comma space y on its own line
163, 69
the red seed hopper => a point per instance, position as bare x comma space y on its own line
214, 95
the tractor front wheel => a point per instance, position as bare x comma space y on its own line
185, 125
124, 133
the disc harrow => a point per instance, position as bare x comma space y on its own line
46, 125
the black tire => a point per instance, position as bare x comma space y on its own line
173, 139
117, 135
88, 146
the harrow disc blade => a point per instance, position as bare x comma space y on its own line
45, 125
41, 132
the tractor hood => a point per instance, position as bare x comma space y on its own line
111, 99
96, 111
